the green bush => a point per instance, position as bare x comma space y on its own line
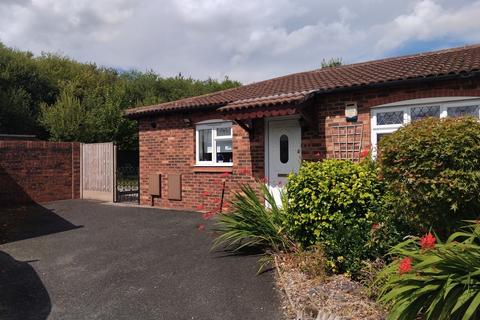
334, 203
434, 281
250, 223
387, 229
432, 167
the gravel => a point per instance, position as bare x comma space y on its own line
338, 296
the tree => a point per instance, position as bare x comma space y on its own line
22, 89
58, 98
66, 119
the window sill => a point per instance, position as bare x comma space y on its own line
214, 169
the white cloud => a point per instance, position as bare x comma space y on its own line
430, 20
249, 40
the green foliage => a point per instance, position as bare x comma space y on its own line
251, 224
387, 229
432, 167
332, 62
22, 89
334, 203
65, 120
444, 282
42, 95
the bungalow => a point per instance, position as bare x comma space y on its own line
192, 150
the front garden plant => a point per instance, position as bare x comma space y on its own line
434, 280
335, 203
348, 216
250, 223
432, 166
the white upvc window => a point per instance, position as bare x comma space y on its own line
213, 140
388, 118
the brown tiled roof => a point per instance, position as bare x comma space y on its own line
297, 87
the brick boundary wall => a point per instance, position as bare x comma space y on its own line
38, 171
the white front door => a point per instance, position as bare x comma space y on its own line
283, 153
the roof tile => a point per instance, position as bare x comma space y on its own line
298, 86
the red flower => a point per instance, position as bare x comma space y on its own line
364, 153
224, 175
201, 227
405, 265
205, 193
200, 207
375, 226
264, 180
427, 241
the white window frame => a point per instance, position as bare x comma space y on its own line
406, 106
212, 125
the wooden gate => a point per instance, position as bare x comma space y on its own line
98, 171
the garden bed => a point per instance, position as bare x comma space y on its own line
303, 297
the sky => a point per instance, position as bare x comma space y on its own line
246, 40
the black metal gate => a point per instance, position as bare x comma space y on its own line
127, 175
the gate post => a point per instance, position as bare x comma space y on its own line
114, 173
81, 170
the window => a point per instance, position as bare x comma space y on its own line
389, 118
463, 111
283, 149
381, 135
418, 113
214, 144
392, 117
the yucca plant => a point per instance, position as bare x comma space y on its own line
434, 280
251, 223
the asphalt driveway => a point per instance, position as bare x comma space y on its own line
86, 260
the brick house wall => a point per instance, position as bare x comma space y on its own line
38, 171
330, 109
170, 147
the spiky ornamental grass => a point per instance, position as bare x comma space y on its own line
252, 224
435, 281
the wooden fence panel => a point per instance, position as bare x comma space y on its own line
98, 171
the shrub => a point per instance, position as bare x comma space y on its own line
387, 229
333, 202
432, 167
436, 281
251, 224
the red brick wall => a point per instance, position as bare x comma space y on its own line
38, 171
170, 147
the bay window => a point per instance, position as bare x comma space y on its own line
386, 119
214, 144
